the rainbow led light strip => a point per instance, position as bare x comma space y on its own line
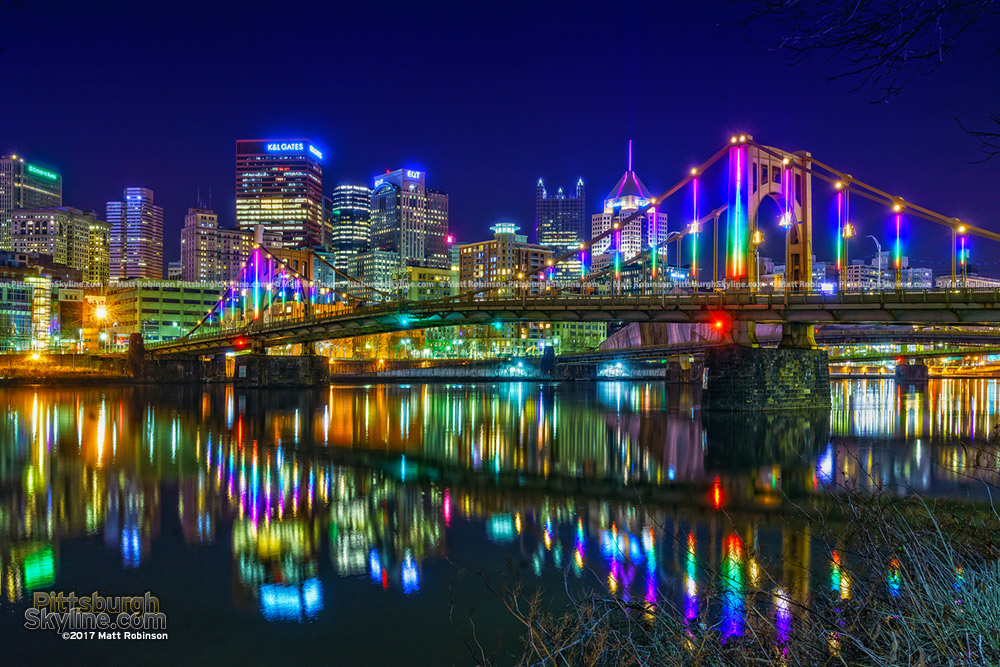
735, 259
656, 239
899, 222
694, 228
840, 228
618, 253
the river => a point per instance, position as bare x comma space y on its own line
358, 522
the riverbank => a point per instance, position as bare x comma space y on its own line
50, 376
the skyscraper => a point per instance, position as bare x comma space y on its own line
279, 184
560, 222
350, 222
410, 219
209, 252
628, 196
24, 185
136, 236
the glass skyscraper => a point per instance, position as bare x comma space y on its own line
560, 219
136, 236
350, 223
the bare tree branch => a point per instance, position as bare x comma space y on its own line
884, 43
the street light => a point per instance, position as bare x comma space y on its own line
878, 246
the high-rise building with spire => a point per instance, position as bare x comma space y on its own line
628, 196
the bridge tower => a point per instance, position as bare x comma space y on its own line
755, 173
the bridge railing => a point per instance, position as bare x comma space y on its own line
560, 301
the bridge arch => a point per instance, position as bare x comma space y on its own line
757, 173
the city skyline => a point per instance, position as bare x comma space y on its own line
511, 143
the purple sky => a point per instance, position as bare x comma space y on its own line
487, 97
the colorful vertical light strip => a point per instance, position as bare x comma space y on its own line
840, 230
618, 253
655, 242
695, 229
898, 251
732, 588
895, 578
690, 581
736, 263
256, 284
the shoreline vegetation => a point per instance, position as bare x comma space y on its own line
915, 583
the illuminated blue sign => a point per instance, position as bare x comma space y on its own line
412, 174
286, 147
379, 181
315, 151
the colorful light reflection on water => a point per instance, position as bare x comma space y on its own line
363, 487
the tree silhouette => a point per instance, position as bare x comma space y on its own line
884, 44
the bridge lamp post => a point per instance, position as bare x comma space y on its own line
758, 238
878, 247
847, 234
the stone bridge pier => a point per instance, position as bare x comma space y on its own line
747, 378
255, 368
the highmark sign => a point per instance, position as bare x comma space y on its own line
44, 173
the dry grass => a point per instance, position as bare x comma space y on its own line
923, 582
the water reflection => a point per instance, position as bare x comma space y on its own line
374, 482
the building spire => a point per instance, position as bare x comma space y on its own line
629, 155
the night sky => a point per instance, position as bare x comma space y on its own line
487, 97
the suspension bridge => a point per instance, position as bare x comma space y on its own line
273, 305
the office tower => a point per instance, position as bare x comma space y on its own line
24, 185
350, 223
279, 184
560, 222
378, 272
212, 253
68, 235
136, 236
628, 196
410, 219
